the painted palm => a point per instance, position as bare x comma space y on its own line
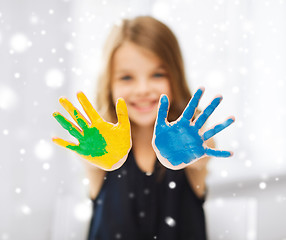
104, 144
181, 142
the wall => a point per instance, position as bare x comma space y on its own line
52, 48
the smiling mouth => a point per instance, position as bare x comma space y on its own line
144, 106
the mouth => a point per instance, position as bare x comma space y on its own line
144, 106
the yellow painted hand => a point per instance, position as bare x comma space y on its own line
104, 144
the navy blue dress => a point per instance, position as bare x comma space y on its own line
133, 205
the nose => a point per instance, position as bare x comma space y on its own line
142, 87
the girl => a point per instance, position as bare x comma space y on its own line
141, 199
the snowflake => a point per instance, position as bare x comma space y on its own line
172, 184
248, 163
8, 97
18, 190
69, 46
17, 75
43, 149
224, 173
5, 131
26, 210
54, 78
170, 221
262, 185
142, 214
118, 236
20, 42
85, 181
146, 191
46, 166
82, 211
22, 151
131, 195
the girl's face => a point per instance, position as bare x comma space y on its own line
139, 77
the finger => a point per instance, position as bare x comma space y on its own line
193, 104
163, 110
207, 112
88, 108
218, 153
217, 128
63, 143
74, 112
122, 113
66, 124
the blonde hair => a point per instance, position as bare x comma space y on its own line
153, 35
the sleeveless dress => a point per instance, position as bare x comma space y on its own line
133, 205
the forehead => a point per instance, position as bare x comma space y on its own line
132, 56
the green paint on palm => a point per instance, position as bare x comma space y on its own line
91, 143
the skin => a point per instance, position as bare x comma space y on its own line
181, 142
101, 143
140, 78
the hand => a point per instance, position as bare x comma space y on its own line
104, 144
181, 143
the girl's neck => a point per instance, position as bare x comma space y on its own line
142, 148
142, 136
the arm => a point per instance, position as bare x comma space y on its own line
96, 178
197, 172
103, 145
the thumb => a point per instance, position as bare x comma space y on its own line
121, 111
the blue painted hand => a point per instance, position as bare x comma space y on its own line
181, 143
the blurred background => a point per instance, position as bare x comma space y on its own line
52, 48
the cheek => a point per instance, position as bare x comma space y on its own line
118, 92
165, 87
114, 94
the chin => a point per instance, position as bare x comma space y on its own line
143, 122
143, 119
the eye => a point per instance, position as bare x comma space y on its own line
158, 75
126, 77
